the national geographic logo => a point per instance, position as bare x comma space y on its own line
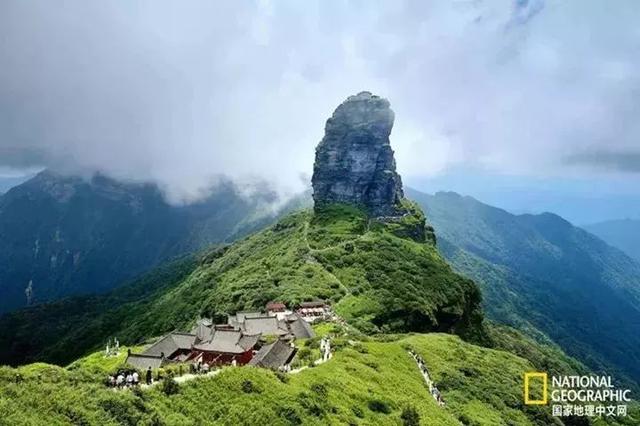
587, 396
541, 381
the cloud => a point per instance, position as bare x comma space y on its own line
608, 160
180, 94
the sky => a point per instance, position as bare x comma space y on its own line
539, 96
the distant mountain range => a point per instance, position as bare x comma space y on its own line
539, 273
548, 278
623, 234
62, 236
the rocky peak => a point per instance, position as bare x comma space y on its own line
354, 161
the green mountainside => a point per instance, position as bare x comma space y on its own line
381, 277
623, 234
377, 277
541, 274
62, 236
367, 382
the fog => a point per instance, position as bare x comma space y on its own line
181, 93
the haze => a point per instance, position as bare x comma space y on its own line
183, 92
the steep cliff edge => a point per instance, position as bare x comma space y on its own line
354, 161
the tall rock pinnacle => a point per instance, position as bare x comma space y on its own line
354, 161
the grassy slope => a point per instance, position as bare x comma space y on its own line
543, 275
376, 279
481, 387
367, 271
62, 331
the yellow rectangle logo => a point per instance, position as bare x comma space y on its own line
527, 397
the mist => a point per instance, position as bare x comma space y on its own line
181, 93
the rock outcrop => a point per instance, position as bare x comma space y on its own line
354, 161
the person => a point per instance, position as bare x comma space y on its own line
205, 368
129, 379
136, 378
148, 376
120, 380
112, 381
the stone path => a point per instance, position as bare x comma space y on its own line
433, 390
325, 350
184, 378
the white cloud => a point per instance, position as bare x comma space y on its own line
180, 94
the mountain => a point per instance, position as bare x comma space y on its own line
369, 254
540, 273
368, 381
623, 234
382, 273
371, 379
62, 235
6, 183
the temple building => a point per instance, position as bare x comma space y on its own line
236, 342
289, 328
276, 356
314, 311
225, 346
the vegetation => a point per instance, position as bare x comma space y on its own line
63, 331
551, 280
382, 277
371, 382
623, 234
69, 235
377, 280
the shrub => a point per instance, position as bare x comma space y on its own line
320, 389
378, 406
311, 404
249, 387
170, 386
410, 416
290, 415
283, 377
120, 410
304, 354
357, 411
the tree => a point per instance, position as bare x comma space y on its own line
410, 416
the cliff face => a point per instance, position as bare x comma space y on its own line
63, 235
354, 161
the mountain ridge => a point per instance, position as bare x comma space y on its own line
539, 272
623, 234
64, 235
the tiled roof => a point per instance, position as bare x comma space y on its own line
202, 322
202, 332
183, 340
142, 362
248, 341
242, 315
170, 344
314, 304
300, 328
271, 306
274, 355
228, 341
267, 326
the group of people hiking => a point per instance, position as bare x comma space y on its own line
200, 368
433, 389
128, 379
